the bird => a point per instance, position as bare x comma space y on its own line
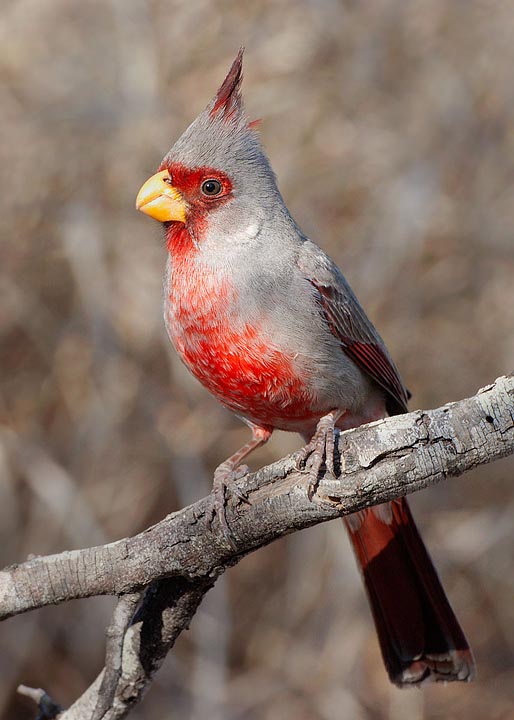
267, 322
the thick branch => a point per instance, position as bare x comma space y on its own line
180, 558
379, 462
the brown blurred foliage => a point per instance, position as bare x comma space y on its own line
390, 126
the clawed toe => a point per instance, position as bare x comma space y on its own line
320, 450
230, 485
224, 487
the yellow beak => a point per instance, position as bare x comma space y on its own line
161, 200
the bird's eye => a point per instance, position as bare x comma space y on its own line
167, 180
211, 188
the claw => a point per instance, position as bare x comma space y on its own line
234, 475
320, 450
229, 471
223, 487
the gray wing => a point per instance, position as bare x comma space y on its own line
349, 323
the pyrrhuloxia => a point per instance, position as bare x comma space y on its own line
267, 322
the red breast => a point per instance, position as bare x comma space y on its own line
235, 360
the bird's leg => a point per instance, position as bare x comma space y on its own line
229, 471
320, 449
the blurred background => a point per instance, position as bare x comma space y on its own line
390, 126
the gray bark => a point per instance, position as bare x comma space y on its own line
178, 560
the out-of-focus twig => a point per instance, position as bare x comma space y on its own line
180, 558
48, 708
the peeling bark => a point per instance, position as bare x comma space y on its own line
178, 560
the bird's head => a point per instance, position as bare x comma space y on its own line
216, 177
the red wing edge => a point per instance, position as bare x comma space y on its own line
366, 354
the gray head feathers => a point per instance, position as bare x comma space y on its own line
222, 138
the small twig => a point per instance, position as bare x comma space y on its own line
115, 635
165, 611
48, 708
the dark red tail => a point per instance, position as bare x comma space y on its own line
419, 635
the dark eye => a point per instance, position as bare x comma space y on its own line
211, 187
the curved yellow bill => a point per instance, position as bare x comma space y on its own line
161, 200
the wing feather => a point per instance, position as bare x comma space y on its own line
350, 325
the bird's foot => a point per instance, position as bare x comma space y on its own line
222, 488
319, 451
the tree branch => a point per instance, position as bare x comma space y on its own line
179, 559
167, 609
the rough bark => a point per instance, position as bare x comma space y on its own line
178, 560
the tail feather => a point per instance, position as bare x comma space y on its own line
420, 637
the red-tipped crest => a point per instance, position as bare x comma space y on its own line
228, 99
